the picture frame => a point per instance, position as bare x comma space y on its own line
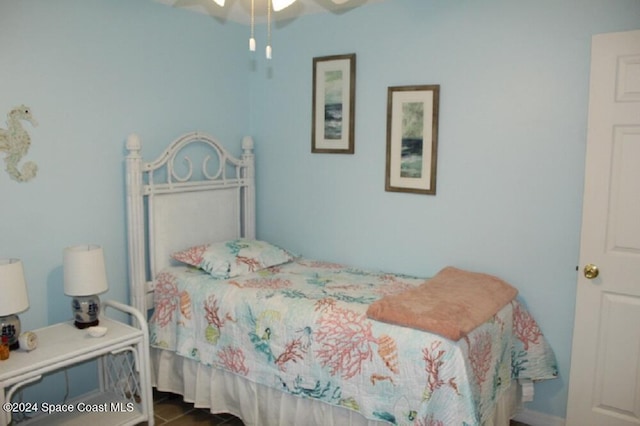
412, 138
333, 104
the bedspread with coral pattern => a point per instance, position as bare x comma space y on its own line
302, 327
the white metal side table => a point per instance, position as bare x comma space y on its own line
124, 396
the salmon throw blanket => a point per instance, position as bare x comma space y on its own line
451, 304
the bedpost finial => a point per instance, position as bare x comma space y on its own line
247, 143
133, 142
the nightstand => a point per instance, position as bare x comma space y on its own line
124, 396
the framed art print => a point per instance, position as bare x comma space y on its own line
412, 138
334, 88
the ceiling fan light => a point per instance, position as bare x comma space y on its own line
281, 4
219, 2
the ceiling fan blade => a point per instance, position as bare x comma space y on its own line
281, 4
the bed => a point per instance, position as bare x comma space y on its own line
242, 326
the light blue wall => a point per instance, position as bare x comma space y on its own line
93, 71
514, 81
514, 91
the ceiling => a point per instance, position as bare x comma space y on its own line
240, 10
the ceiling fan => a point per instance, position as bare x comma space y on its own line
276, 5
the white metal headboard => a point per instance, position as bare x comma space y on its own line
170, 210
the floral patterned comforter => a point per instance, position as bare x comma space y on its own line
302, 327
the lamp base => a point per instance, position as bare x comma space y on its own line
83, 325
10, 327
86, 310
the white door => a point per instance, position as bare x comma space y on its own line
604, 388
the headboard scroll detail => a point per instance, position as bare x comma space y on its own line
169, 208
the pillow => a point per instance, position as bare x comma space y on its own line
233, 258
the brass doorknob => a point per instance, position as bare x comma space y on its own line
591, 271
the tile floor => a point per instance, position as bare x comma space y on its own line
170, 410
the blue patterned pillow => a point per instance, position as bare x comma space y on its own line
233, 258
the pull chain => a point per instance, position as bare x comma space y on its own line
252, 40
268, 50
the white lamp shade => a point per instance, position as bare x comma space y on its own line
84, 271
13, 287
219, 2
281, 4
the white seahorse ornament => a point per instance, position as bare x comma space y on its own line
15, 141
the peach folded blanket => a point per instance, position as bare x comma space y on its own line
451, 304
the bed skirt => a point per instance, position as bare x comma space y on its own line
259, 405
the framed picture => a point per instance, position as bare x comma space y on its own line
412, 138
334, 104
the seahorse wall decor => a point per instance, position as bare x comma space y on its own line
15, 141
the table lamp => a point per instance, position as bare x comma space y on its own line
85, 277
13, 299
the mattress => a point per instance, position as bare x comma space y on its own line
301, 329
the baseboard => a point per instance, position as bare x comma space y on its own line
535, 418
